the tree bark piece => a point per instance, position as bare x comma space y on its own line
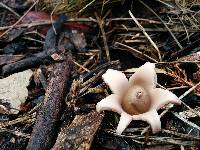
44, 132
80, 134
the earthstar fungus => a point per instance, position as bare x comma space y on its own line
136, 98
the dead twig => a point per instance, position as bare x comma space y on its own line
52, 22
16, 133
133, 51
145, 33
19, 20
185, 136
48, 22
152, 140
18, 120
100, 23
186, 121
10, 9
157, 29
81, 66
90, 3
173, 36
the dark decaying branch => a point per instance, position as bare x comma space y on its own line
194, 46
34, 61
6, 59
44, 131
39, 58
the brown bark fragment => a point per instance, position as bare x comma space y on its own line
79, 135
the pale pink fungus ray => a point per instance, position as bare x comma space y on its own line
124, 121
111, 102
145, 76
116, 80
161, 97
152, 118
